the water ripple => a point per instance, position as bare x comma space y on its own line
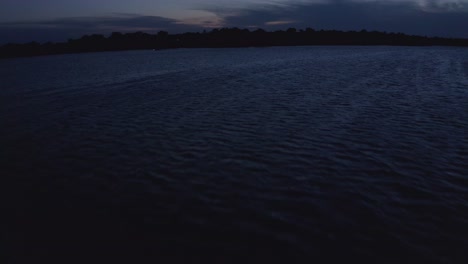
313, 150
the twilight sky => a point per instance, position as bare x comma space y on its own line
58, 20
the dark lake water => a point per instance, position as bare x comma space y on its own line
287, 154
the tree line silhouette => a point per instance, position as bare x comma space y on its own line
223, 38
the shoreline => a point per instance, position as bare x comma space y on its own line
224, 38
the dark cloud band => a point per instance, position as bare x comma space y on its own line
431, 17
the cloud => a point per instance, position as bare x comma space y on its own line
279, 22
63, 28
431, 17
447, 18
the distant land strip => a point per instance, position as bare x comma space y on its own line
223, 38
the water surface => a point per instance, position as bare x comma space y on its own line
279, 154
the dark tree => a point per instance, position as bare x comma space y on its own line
221, 38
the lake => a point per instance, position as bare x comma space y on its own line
282, 154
